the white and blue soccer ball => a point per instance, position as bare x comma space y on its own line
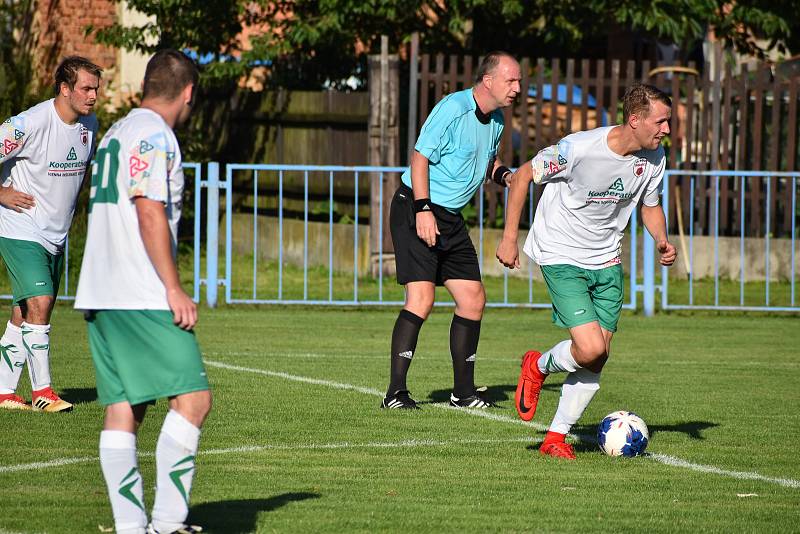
623, 434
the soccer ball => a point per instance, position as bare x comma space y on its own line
623, 434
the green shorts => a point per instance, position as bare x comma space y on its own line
581, 296
33, 271
140, 356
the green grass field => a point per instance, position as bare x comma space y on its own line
296, 441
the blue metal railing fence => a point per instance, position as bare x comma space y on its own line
209, 186
745, 180
328, 173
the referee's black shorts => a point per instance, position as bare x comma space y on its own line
452, 258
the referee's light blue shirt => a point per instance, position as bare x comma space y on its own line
459, 149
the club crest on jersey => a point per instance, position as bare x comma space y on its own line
136, 165
84, 135
639, 166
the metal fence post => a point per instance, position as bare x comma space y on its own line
212, 234
649, 274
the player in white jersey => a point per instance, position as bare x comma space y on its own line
140, 320
44, 152
595, 179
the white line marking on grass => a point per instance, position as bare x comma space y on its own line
667, 460
677, 462
295, 378
348, 355
37, 466
373, 392
372, 445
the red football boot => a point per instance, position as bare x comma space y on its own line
555, 446
529, 385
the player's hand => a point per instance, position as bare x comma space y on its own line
508, 253
668, 252
427, 230
184, 310
15, 200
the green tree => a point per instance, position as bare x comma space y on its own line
210, 28
16, 71
315, 43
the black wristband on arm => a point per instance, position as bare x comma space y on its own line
499, 176
422, 204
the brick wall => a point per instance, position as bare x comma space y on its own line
59, 28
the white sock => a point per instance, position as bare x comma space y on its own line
36, 338
175, 455
124, 483
576, 394
12, 358
558, 359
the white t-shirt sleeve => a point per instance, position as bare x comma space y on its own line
653, 192
148, 164
15, 132
553, 163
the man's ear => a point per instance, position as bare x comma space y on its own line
633, 121
188, 94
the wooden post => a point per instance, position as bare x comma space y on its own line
413, 93
716, 101
384, 150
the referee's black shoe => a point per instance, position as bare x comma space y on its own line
400, 400
476, 400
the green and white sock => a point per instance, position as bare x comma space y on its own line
175, 455
123, 480
558, 359
12, 358
36, 338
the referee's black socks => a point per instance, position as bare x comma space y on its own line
404, 343
464, 334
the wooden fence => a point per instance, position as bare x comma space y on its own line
734, 118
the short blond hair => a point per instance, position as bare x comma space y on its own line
638, 97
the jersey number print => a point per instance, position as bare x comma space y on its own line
104, 177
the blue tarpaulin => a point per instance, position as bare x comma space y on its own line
577, 98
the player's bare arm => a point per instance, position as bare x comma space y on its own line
425, 220
508, 250
154, 228
656, 224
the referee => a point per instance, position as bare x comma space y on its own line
456, 151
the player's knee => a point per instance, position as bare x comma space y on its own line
419, 304
194, 407
202, 405
479, 300
470, 305
591, 355
36, 310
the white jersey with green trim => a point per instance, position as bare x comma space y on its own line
590, 195
45, 157
138, 157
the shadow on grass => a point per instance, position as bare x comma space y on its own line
79, 395
690, 428
240, 516
498, 393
